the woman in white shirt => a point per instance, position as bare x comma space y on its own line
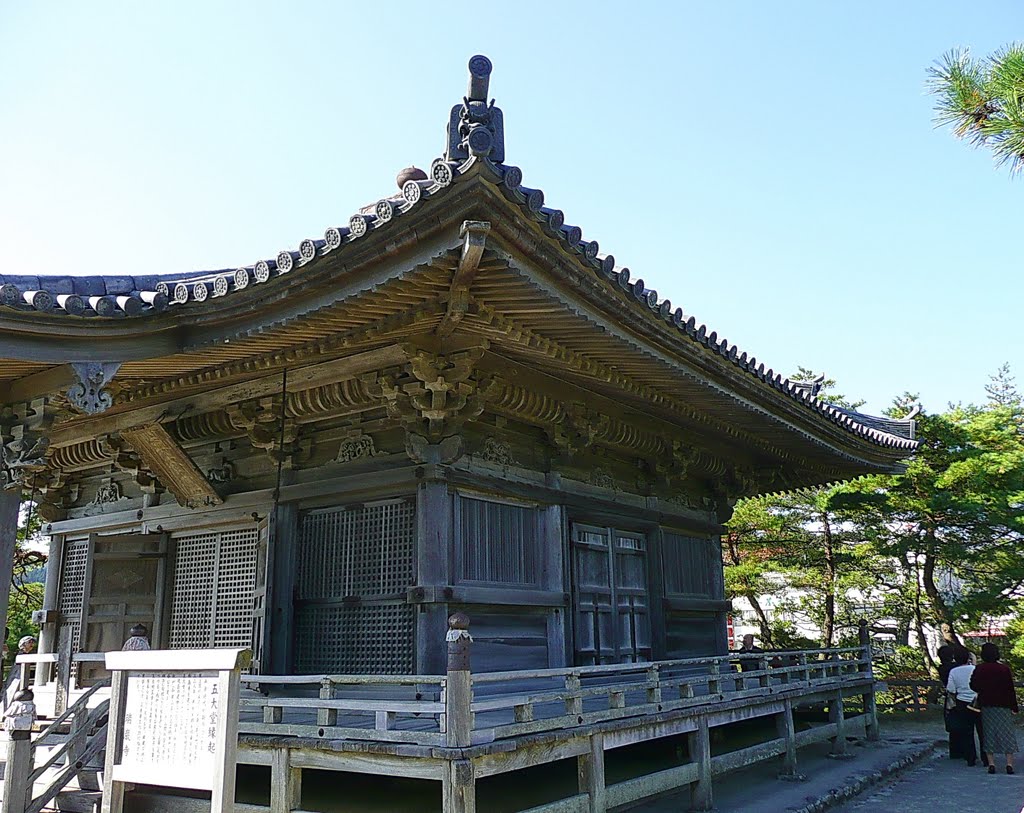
963, 719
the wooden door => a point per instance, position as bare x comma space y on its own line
124, 586
610, 597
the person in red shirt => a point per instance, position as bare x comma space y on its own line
997, 698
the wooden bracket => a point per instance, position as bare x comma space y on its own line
474, 239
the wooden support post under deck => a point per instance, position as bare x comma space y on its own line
700, 752
285, 783
787, 731
837, 716
16, 772
458, 787
590, 770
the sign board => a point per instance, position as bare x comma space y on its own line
174, 722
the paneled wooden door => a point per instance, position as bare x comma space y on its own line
124, 586
611, 605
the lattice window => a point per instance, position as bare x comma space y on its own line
213, 591
497, 542
690, 565
355, 566
72, 588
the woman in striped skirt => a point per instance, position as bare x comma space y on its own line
993, 682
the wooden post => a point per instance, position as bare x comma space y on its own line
590, 772
786, 730
326, 717
762, 666
16, 772
458, 787
868, 698
458, 692
113, 793
700, 752
63, 677
837, 716
285, 783
714, 685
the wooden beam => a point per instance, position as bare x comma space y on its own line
311, 376
45, 382
162, 455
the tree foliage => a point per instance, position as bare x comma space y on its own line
936, 546
983, 100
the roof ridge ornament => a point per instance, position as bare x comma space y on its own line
476, 127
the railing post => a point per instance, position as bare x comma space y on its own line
326, 717
63, 674
18, 721
590, 772
714, 686
700, 752
763, 680
458, 695
458, 782
653, 684
868, 698
805, 675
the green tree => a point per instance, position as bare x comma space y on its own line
26, 594
954, 520
983, 100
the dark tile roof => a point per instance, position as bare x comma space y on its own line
125, 296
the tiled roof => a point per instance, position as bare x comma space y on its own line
122, 296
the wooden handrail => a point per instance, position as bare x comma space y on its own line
82, 702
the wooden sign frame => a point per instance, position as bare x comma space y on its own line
208, 678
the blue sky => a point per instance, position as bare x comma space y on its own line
770, 167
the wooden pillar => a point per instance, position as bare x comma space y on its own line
282, 564
787, 731
837, 716
50, 631
285, 783
554, 577
10, 505
868, 698
63, 674
435, 535
458, 787
16, 772
590, 771
656, 594
700, 752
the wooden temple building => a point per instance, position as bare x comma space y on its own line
453, 401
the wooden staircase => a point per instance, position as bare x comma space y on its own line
66, 760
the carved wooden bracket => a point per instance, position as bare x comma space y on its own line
438, 394
578, 430
164, 457
88, 393
24, 443
260, 419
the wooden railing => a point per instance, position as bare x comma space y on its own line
427, 709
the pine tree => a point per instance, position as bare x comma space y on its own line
983, 100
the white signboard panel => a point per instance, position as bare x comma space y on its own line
170, 729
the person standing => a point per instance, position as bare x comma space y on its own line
964, 719
749, 664
993, 681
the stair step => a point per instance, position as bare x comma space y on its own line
79, 801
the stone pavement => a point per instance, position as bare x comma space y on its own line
757, 790
938, 785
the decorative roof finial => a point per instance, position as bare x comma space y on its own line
476, 127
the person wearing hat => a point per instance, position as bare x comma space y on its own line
27, 645
139, 640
